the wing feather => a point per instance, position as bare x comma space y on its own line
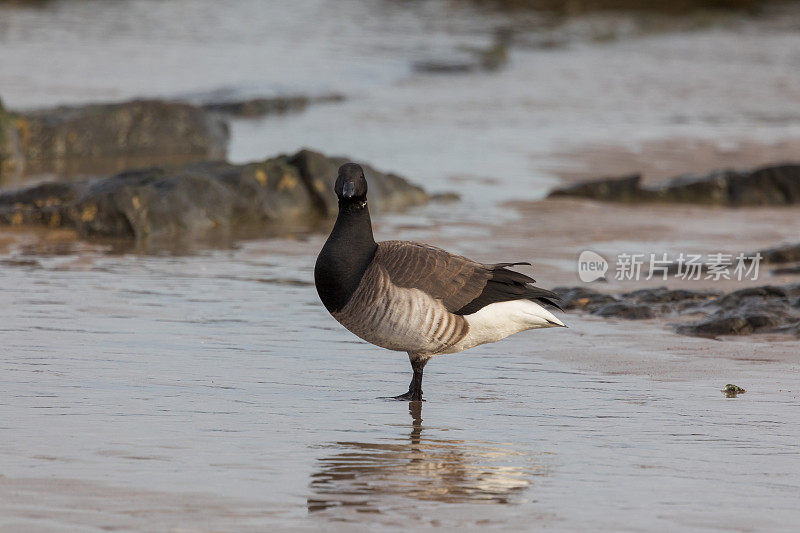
464, 286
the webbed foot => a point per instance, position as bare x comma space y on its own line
410, 396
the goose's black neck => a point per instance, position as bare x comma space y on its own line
346, 255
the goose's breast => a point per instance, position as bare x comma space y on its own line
399, 318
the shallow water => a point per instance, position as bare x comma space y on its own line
210, 391
219, 379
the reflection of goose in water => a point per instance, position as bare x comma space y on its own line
367, 477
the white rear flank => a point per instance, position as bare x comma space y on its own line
499, 320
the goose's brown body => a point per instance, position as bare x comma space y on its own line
385, 313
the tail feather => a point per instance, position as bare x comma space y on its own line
506, 285
502, 275
537, 294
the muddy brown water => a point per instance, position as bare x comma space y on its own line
206, 389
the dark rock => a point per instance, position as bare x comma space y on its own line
445, 66
659, 301
737, 299
789, 329
785, 271
731, 390
193, 200
103, 138
670, 301
708, 189
581, 7
745, 320
138, 127
771, 185
583, 298
744, 312
663, 295
11, 158
716, 326
624, 189
445, 197
20, 262
259, 107
751, 310
625, 310
789, 253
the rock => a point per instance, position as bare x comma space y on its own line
716, 326
792, 270
623, 189
731, 390
445, 197
737, 299
625, 310
789, 253
445, 66
771, 185
643, 303
98, 139
11, 159
744, 321
663, 295
582, 298
745, 311
102, 138
751, 310
140, 127
196, 199
581, 7
258, 107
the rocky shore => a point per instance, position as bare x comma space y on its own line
98, 139
196, 199
772, 185
50, 140
259, 107
11, 159
701, 313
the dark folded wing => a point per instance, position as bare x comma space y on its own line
463, 285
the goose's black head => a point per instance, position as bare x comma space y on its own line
351, 185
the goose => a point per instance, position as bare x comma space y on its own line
416, 298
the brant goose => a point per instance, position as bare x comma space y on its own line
415, 298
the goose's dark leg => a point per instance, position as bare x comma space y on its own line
414, 393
